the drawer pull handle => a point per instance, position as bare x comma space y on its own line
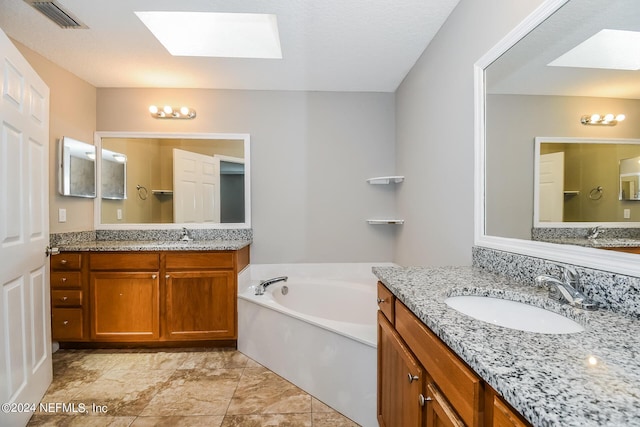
64, 279
423, 400
381, 300
153, 276
64, 298
65, 323
63, 261
413, 378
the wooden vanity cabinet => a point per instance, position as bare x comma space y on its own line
125, 296
147, 298
444, 391
201, 296
68, 287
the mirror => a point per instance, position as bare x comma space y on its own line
580, 180
160, 180
76, 168
519, 96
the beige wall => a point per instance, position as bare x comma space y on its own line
73, 114
510, 163
311, 153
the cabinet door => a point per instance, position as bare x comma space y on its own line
400, 380
201, 305
503, 416
439, 412
124, 306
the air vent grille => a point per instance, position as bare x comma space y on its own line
57, 14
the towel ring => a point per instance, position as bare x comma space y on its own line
596, 193
142, 192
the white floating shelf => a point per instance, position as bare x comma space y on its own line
162, 192
385, 221
386, 180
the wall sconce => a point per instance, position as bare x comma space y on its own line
598, 120
168, 112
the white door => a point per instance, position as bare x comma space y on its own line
196, 187
25, 316
551, 187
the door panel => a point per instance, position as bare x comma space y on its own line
25, 328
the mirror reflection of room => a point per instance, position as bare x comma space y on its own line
587, 181
77, 168
178, 181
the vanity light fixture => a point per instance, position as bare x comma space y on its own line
169, 112
602, 120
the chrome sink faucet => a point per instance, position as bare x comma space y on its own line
263, 285
594, 232
567, 289
186, 236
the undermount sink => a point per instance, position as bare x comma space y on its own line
514, 315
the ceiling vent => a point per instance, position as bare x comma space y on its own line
55, 12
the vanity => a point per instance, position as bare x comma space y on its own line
440, 367
146, 293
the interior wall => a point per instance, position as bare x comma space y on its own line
435, 133
72, 112
311, 153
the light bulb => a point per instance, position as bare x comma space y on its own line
608, 117
184, 110
595, 118
620, 117
167, 109
153, 109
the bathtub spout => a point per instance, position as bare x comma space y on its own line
263, 285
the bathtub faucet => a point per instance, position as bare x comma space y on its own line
263, 285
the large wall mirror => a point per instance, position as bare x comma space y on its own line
533, 84
163, 180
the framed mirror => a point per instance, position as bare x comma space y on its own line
522, 92
76, 168
169, 180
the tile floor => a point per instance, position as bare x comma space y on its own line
195, 387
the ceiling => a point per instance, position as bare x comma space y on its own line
329, 45
523, 68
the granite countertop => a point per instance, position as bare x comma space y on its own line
546, 377
596, 243
154, 245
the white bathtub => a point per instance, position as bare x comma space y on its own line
321, 335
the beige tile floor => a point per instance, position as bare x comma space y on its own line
195, 387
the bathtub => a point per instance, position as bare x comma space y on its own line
320, 334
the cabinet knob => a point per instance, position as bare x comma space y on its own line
423, 400
65, 322
381, 300
63, 261
64, 279
64, 298
153, 276
413, 378
167, 276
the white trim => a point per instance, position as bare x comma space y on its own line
616, 262
245, 137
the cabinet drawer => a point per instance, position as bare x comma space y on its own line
457, 382
125, 261
66, 298
386, 302
70, 279
66, 324
66, 261
199, 260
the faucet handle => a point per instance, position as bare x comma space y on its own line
569, 274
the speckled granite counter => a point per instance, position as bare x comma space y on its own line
548, 378
154, 245
596, 243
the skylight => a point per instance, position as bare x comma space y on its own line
610, 49
228, 35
